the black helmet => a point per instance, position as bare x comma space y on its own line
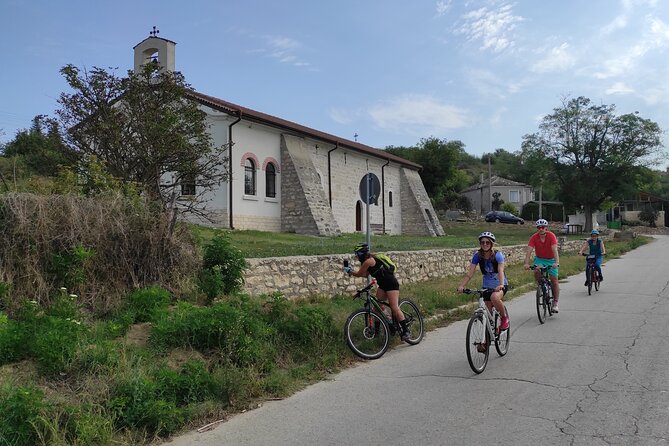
361, 249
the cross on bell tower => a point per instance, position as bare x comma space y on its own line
155, 32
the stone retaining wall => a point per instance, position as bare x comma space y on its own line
304, 276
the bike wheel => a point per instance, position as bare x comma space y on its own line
414, 321
367, 334
477, 344
542, 308
548, 299
597, 284
502, 337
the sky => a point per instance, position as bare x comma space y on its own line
382, 72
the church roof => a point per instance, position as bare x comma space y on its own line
152, 37
273, 121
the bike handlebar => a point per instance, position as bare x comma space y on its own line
365, 289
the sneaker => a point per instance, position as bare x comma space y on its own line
406, 335
504, 324
555, 307
601, 278
482, 347
586, 283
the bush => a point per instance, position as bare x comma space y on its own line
508, 207
223, 267
237, 331
20, 408
146, 305
649, 216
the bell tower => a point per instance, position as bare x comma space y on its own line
155, 49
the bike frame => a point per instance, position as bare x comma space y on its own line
590, 268
488, 317
372, 303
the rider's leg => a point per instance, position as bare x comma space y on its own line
393, 298
556, 288
496, 299
598, 266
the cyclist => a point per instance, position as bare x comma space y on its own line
594, 246
388, 286
545, 246
491, 263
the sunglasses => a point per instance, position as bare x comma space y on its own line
541, 227
485, 242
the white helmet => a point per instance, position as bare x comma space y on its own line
487, 234
541, 222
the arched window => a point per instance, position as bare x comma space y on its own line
249, 177
270, 181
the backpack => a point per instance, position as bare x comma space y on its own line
494, 260
386, 262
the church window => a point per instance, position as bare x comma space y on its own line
187, 185
270, 181
249, 177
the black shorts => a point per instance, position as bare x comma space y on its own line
388, 282
487, 294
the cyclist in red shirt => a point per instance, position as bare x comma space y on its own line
545, 246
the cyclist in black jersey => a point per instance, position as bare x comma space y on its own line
388, 286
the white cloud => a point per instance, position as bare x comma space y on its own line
491, 27
559, 58
418, 114
619, 88
285, 50
443, 7
488, 84
342, 116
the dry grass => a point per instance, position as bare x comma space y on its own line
131, 247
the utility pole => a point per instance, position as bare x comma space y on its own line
489, 185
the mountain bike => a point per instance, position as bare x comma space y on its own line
484, 327
591, 275
544, 294
368, 329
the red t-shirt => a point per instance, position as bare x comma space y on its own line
544, 249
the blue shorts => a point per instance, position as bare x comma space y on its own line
547, 262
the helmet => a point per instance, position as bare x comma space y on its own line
594, 232
361, 248
541, 222
487, 234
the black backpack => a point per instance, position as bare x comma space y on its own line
494, 261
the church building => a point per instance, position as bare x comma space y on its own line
285, 177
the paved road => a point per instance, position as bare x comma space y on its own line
595, 374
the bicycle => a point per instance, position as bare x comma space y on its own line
591, 276
544, 294
484, 326
368, 329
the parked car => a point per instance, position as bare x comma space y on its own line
503, 217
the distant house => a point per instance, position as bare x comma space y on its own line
630, 208
510, 191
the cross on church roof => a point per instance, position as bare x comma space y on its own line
154, 32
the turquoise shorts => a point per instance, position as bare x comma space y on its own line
547, 262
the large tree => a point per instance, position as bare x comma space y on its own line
145, 130
440, 173
594, 154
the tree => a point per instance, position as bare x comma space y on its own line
439, 160
593, 154
40, 147
144, 130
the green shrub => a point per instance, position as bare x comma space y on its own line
55, 344
137, 404
222, 267
11, 340
508, 207
69, 268
147, 304
193, 383
239, 333
20, 407
648, 216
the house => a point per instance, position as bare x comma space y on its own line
285, 177
481, 194
628, 210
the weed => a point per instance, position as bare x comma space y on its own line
21, 408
